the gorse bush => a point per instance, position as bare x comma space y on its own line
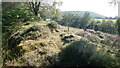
83, 53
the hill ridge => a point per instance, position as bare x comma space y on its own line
93, 14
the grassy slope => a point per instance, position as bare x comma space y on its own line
36, 51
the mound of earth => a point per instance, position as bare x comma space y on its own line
39, 44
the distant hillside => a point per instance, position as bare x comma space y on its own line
93, 14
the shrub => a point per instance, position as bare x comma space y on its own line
76, 54
14, 15
83, 53
118, 25
12, 18
108, 27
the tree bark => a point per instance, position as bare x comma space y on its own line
35, 7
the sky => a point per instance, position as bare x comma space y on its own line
99, 6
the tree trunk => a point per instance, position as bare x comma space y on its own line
35, 6
35, 12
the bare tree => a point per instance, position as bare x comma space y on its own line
115, 2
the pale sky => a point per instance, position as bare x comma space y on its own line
99, 6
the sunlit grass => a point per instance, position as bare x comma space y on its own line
114, 20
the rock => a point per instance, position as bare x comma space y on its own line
89, 36
42, 53
27, 23
101, 36
61, 35
53, 25
14, 39
57, 30
43, 44
90, 30
68, 38
99, 32
80, 33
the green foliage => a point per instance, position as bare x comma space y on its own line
11, 22
92, 25
8, 6
105, 26
85, 20
14, 53
15, 15
70, 19
7, 32
86, 54
118, 25
56, 18
75, 20
108, 27
44, 8
66, 20
12, 19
